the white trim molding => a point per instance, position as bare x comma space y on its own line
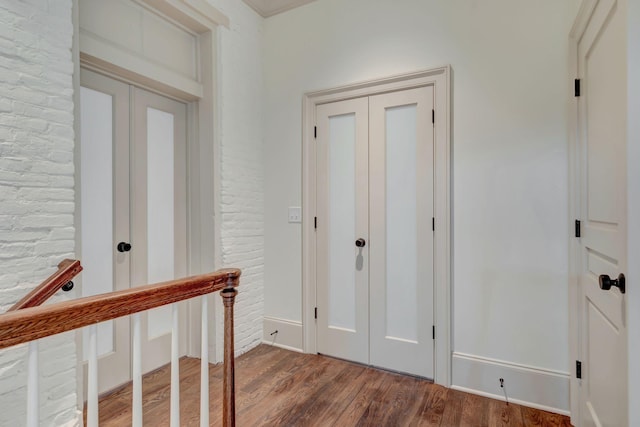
282, 333
440, 79
197, 15
266, 8
162, 50
531, 386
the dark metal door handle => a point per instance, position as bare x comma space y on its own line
124, 247
607, 282
360, 243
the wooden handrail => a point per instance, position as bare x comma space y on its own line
28, 324
67, 270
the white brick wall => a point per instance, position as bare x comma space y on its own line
37, 182
36, 191
242, 201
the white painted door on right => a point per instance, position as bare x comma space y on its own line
374, 232
603, 242
400, 221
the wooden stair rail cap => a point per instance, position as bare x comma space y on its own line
28, 324
67, 270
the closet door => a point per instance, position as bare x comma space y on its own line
343, 210
400, 215
159, 216
104, 214
374, 230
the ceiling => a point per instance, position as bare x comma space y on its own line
271, 7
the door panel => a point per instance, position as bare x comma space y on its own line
342, 194
401, 208
602, 133
159, 214
401, 235
104, 218
160, 217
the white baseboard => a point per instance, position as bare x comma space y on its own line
525, 385
289, 334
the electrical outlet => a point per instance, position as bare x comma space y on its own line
501, 382
295, 214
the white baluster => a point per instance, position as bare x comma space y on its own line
175, 369
137, 373
33, 389
92, 380
204, 364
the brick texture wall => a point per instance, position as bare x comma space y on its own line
37, 182
241, 164
36, 191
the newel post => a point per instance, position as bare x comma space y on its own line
228, 295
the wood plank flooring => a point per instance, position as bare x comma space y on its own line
275, 387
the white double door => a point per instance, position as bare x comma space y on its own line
374, 230
133, 213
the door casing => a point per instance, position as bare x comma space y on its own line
439, 78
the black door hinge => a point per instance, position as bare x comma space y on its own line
315, 131
315, 222
433, 331
578, 231
433, 224
315, 313
578, 369
433, 116
576, 87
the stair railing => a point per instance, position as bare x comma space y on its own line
28, 325
61, 279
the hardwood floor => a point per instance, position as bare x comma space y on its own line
275, 387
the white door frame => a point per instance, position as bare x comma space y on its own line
439, 78
203, 108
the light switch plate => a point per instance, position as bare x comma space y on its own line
295, 214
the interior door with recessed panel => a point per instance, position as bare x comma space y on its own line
343, 218
104, 214
400, 230
158, 221
603, 205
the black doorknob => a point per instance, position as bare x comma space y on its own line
124, 247
360, 242
607, 282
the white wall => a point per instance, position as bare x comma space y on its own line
510, 189
36, 191
241, 164
633, 188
